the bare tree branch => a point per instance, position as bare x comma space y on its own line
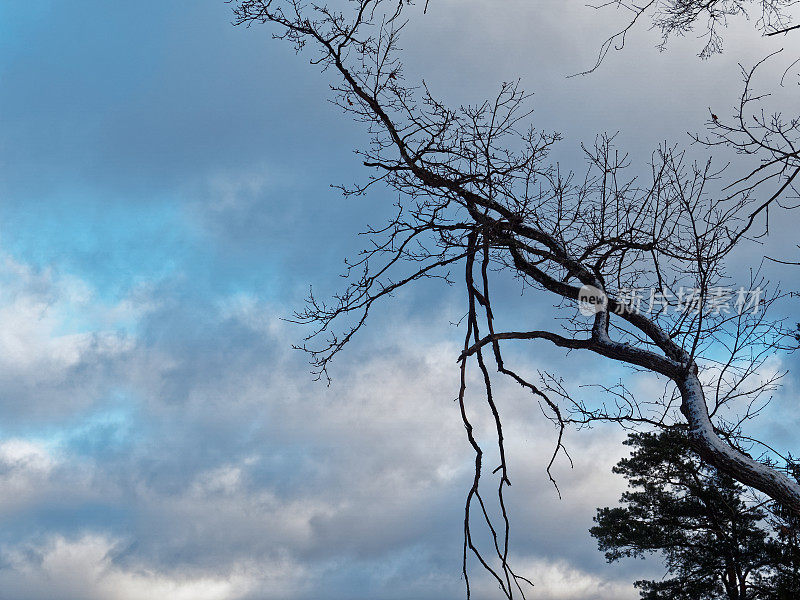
476, 185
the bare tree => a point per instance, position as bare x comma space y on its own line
479, 196
707, 18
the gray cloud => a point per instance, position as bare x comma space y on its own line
236, 473
162, 441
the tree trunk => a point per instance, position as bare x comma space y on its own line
723, 456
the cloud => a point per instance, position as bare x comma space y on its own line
58, 343
558, 580
224, 468
84, 569
24, 469
166, 203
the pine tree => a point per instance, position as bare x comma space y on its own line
715, 542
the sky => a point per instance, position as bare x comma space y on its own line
166, 201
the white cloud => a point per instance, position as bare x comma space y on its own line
558, 580
84, 569
258, 483
56, 341
19, 455
25, 467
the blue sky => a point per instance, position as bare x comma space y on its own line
165, 200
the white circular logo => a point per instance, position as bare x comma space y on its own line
591, 300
